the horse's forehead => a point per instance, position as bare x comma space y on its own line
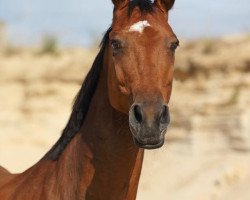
141, 31
138, 24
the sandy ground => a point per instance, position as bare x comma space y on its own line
207, 151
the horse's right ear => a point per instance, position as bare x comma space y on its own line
165, 5
120, 3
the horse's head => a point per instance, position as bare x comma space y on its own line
142, 47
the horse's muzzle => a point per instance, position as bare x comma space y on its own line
148, 124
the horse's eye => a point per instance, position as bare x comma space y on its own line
174, 45
116, 45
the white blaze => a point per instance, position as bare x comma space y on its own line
139, 26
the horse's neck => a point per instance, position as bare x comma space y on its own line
115, 156
101, 162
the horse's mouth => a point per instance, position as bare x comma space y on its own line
149, 145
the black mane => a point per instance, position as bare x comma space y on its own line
144, 5
81, 103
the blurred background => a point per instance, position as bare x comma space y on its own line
47, 47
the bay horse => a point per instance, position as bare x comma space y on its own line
120, 110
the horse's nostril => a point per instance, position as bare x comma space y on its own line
164, 117
138, 113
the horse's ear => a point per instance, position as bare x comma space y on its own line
165, 5
120, 3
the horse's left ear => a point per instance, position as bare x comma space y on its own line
120, 3
165, 5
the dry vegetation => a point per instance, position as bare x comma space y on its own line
207, 153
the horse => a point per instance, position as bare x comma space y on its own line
120, 110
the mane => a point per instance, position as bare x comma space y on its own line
81, 103
144, 5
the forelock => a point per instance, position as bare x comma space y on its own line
144, 5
